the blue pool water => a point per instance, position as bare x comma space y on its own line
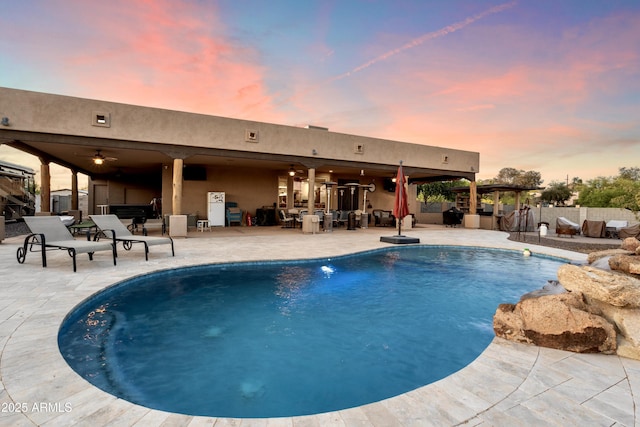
293, 338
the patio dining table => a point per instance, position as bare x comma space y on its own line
86, 227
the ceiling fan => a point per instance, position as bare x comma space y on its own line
99, 158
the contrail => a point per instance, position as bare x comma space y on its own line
413, 43
429, 36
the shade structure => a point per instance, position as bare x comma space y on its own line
400, 210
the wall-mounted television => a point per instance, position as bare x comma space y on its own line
194, 173
389, 185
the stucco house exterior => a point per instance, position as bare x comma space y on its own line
151, 154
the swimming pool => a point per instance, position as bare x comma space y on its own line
293, 338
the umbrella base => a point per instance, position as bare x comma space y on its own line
399, 240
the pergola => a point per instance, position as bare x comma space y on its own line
496, 189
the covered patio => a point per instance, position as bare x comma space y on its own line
135, 155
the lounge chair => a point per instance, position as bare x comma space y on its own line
111, 227
49, 232
614, 226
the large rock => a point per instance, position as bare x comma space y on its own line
625, 349
594, 256
629, 264
630, 244
626, 321
555, 321
611, 287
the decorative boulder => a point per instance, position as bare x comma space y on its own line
629, 264
599, 313
611, 287
630, 244
556, 321
595, 256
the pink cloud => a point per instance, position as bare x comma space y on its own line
166, 54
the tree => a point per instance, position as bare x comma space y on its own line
556, 193
439, 191
518, 177
514, 176
622, 191
632, 174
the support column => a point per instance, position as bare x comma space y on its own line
74, 190
472, 219
176, 202
178, 226
473, 198
496, 202
311, 197
290, 201
45, 186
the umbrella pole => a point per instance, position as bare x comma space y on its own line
400, 219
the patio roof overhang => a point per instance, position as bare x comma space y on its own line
59, 129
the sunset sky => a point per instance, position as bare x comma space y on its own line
545, 85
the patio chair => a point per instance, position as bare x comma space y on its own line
232, 213
594, 228
566, 227
343, 217
383, 218
49, 232
300, 217
320, 213
288, 221
111, 227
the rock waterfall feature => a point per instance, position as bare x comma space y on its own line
598, 311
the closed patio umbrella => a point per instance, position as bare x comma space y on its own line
400, 210
400, 207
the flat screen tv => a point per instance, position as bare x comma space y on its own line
194, 173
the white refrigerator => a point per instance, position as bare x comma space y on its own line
215, 208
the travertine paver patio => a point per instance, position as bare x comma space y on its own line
509, 384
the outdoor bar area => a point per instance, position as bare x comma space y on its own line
493, 216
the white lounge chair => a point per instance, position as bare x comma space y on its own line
614, 226
617, 224
49, 232
113, 228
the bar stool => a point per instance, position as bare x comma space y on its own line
203, 224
